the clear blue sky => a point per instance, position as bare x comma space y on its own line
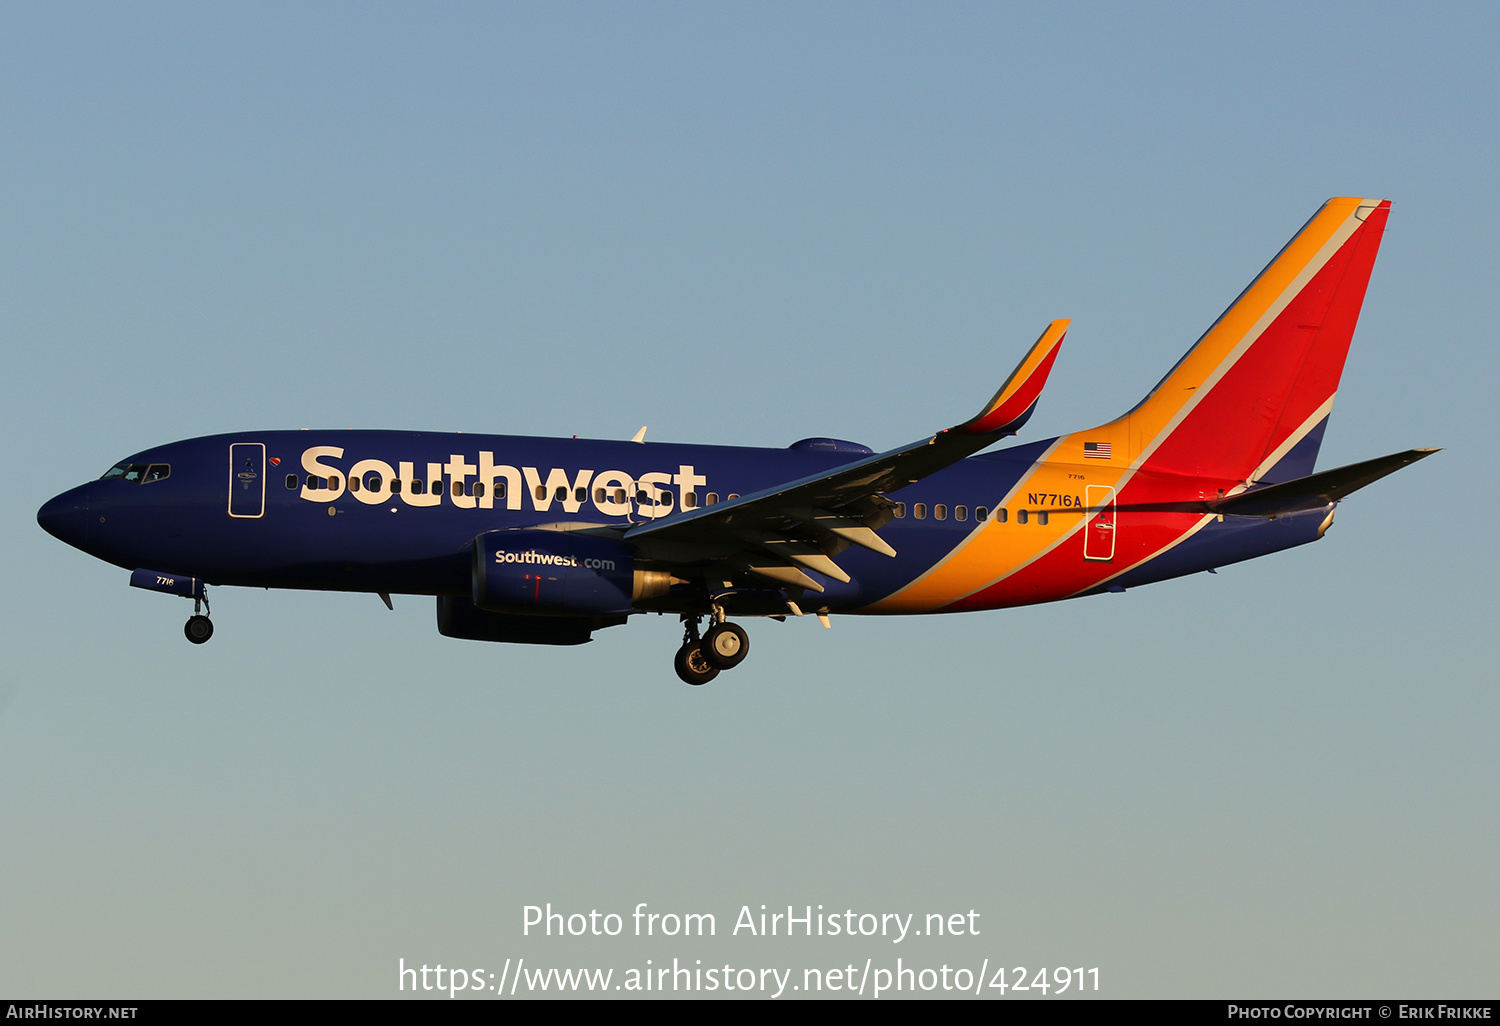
746, 224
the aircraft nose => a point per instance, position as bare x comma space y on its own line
66, 517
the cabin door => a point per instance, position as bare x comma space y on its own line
1099, 535
247, 479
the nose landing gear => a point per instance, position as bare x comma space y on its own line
700, 658
199, 628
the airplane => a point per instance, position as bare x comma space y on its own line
547, 540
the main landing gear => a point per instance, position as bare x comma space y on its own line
723, 647
199, 628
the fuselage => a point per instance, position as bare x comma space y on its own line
398, 512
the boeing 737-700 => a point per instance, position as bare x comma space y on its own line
545, 541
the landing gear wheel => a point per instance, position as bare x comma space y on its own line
198, 629
725, 646
691, 666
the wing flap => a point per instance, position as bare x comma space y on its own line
855, 532
809, 556
780, 573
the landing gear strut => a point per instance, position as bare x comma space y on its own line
199, 628
723, 647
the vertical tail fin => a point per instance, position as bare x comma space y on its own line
1250, 399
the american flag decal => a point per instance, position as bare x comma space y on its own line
1096, 450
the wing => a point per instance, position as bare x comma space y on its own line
779, 533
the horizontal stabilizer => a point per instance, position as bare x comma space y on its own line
1316, 490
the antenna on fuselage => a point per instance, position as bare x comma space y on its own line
639, 436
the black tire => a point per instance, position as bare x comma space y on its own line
725, 645
691, 666
198, 629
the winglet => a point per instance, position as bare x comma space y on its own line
1017, 398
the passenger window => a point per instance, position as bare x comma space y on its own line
479, 489
733, 496
900, 509
919, 510
711, 499
689, 500
598, 494
291, 481
642, 498
980, 513
419, 487
374, 482
436, 488
1041, 518
500, 490
1020, 516
157, 472
395, 486
354, 484
333, 481
541, 492
940, 512
561, 494
580, 494
619, 495
960, 512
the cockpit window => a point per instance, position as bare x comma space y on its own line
129, 471
138, 473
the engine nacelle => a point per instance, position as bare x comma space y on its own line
457, 618
559, 573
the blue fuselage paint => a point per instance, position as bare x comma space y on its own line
342, 540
